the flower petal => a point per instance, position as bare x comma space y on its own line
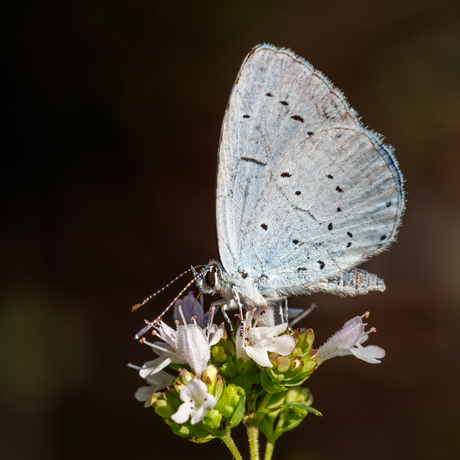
259, 355
192, 344
183, 413
154, 366
371, 354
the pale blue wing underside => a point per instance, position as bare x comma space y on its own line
304, 192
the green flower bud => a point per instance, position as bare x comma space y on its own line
212, 419
165, 404
218, 353
291, 370
209, 377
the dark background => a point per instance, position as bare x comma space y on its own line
113, 112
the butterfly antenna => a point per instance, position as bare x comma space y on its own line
139, 305
149, 326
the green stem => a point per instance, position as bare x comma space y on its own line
230, 443
253, 436
269, 447
265, 401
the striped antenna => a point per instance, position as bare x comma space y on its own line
139, 305
149, 326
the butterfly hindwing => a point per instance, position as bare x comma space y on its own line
298, 175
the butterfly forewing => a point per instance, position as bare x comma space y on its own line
298, 175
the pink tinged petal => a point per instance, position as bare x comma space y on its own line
190, 307
152, 367
167, 334
350, 333
265, 316
215, 333
143, 393
371, 354
192, 344
260, 356
197, 402
282, 345
161, 380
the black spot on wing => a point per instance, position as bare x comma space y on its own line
298, 192
301, 269
339, 209
253, 160
244, 275
339, 189
284, 102
246, 116
349, 244
330, 227
269, 95
297, 118
264, 226
350, 234
310, 133
330, 177
295, 241
389, 203
383, 237
286, 174
321, 264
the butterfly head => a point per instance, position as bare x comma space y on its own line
212, 279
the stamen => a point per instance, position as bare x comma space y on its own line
303, 314
132, 366
182, 314
212, 311
281, 313
157, 347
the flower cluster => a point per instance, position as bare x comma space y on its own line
204, 382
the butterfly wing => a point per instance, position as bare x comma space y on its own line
304, 192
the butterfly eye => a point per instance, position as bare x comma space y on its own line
210, 279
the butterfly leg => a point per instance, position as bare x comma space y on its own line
224, 312
238, 302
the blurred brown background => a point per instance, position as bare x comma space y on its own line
113, 112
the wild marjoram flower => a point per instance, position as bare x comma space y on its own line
197, 402
349, 340
192, 308
255, 342
189, 344
221, 391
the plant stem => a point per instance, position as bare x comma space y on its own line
253, 436
269, 447
230, 443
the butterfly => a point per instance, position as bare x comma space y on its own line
305, 193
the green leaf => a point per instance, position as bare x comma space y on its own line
302, 407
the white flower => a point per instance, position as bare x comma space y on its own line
255, 342
349, 340
197, 402
189, 344
158, 382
